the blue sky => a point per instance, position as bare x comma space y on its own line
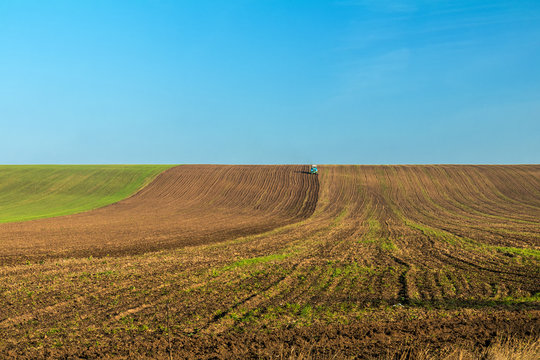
259, 81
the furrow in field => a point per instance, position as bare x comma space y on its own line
279, 251
186, 205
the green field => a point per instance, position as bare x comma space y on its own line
38, 191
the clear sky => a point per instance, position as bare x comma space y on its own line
269, 81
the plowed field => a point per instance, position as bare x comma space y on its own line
186, 205
257, 261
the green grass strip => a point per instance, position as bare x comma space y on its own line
256, 260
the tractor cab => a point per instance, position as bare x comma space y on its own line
313, 170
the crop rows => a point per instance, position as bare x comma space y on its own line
361, 257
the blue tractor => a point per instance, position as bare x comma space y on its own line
313, 170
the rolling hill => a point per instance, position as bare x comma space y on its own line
216, 261
39, 191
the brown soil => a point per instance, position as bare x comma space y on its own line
184, 206
253, 261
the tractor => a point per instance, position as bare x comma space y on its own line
313, 170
